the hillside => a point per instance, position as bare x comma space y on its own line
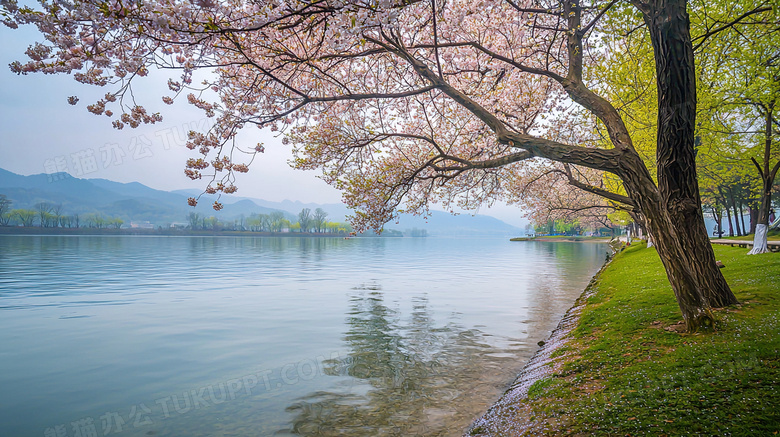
135, 202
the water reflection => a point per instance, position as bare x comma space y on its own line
90, 325
559, 266
408, 376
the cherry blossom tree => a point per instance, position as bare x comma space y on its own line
401, 103
551, 193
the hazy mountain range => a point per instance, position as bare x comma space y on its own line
135, 202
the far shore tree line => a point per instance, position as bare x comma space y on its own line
569, 228
274, 222
48, 215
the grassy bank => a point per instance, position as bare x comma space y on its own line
627, 370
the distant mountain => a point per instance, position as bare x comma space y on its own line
137, 190
128, 201
55, 188
336, 211
135, 202
463, 224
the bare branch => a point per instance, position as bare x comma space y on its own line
728, 25
587, 28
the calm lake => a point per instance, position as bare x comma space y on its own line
223, 336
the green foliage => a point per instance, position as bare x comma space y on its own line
738, 78
555, 227
5, 209
24, 217
619, 217
739, 83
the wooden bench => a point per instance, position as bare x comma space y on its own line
773, 246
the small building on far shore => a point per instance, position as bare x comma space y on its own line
142, 225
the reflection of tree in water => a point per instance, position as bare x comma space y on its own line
414, 378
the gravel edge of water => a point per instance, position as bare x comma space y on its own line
509, 416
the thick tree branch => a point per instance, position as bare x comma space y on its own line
572, 84
601, 159
588, 207
597, 191
580, 93
758, 166
488, 163
435, 38
774, 171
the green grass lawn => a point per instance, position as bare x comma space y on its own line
630, 372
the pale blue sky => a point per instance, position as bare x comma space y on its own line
40, 132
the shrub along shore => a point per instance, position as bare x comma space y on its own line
619, 364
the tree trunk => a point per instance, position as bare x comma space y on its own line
767, 179
641, 225
720, 223
669, 28
728, 216
763, 212
717, 215
695, 309
736, 215
753, 213
742, 217
724, 200
666, 239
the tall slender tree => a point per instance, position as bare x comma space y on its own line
305, 219
319, 219
5, 209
